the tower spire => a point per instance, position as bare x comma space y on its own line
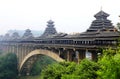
101, 8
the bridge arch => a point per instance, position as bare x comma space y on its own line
49, 53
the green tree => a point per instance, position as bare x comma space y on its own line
109, 64
70, 76
8, 66
107, 67
71, 70
56, 71
40, 64
87, 69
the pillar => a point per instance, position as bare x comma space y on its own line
15, 49
70, 54
77, 56
28, 49
20, 53
7, 49
59, 52
25, 50
81, 54
10, 48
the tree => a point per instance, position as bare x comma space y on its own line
109, 64
56, 71
107, 67
87, 69
40, 64
8, 66
71, 70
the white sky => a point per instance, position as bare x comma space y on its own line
69, 15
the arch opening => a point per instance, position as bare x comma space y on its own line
41, 63
28, 61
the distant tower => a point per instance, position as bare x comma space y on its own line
50, 30
27, 34
7, 36
15, 35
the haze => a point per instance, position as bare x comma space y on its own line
69, 15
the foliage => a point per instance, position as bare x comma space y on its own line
70, 76
29, 77
56, 71
41, 63
87, 69
107, 67
8, 66
70, 70
109, 64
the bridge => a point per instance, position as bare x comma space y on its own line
61, 46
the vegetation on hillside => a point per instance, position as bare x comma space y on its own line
8, 66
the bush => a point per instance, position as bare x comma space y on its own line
70, 70
109, 65
56, 71
70, 77
87, 69
8, 66
41, 63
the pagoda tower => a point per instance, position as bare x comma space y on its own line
50, 30
27, 34
15, 35
101, 23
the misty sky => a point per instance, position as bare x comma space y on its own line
69, 15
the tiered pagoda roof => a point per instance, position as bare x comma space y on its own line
101, 23
15, 35
101, 27
50, 30
27, 34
